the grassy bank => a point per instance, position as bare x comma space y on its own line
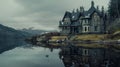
81, 37
55, 38
90, 37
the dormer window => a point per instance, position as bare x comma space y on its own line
62, 23
73, 17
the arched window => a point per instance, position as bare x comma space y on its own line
86, 28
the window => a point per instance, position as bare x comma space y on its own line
83, 21
96, 28
86, 21
96, 17
85, 52
86, 28
62, 23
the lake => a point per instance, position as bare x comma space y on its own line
69, 56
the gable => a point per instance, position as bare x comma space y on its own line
67, 15
95, 15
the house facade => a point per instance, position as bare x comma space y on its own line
81, 21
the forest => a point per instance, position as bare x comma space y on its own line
114, 15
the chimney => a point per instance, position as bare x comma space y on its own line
77, 10
92, 4
102, 8
73, 11
81, 9
97, 7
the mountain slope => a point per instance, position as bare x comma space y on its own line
10, 38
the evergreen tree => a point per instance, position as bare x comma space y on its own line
114, 12
114, 9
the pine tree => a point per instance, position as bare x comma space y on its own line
114, 12
114, 9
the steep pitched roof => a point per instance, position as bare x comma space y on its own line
91, 11
67, 15
75, 16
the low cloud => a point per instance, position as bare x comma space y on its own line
40, 14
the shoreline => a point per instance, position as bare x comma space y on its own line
102, 39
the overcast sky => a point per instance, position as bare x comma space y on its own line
40, 14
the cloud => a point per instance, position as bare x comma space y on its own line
41, 14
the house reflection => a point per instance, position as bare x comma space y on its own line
73, 56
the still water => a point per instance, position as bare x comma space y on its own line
69, 56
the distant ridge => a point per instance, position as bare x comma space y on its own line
10, 38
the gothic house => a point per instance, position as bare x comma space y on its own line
81, 21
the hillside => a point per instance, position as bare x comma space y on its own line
10, 37
33, 32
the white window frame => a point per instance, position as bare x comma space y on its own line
86, 28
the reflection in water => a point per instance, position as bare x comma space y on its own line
67, 56
8, 45
89, 57
30, 57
